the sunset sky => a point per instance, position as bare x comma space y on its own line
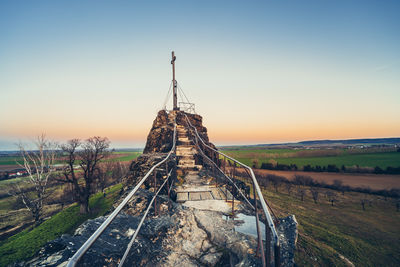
258, 71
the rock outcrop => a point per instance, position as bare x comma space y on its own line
178, 237
160, 136
160, 141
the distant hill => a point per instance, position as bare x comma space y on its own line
365, 141
353, 141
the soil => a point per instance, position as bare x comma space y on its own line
374, 181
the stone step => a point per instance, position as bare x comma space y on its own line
198, 194
184, 148
185, 165
189, 168
186, 158
182, 197
187, 153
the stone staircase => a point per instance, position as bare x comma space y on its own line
185, 151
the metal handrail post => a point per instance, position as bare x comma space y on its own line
155, 190
277, 254
268, 245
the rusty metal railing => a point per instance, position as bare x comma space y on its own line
270, 226
82, 250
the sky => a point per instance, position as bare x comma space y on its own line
257, 71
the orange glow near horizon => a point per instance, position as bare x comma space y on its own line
227, 133
283, 133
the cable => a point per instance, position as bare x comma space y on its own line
167, 97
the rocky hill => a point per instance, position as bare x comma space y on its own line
198, 231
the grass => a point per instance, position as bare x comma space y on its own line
126, 156
382, 160
11, 160
366, 238
26, 243
287, 156
119, 156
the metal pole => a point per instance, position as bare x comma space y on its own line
268, 245
155, 190
175, 96
256, 212
259, 237
224, 163
277, 251
166, 170
261, 246
233, 191
226, 191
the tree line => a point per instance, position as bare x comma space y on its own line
85, 166
328, 168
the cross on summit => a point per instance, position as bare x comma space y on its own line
175, 86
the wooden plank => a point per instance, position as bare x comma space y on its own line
194, 196
221, 192
206, 196
181, 197
216, 194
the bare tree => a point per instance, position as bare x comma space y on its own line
93, 150
302, 192
363, 201
39, 165
109, 172
339, 185
289, 187
120, 171
332, 197
276, 183
315, 194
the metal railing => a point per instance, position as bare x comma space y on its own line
187, 107
270, 226
82, 250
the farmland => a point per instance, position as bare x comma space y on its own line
363, 180
301, 157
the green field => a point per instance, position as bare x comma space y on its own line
10, 160
366, 238
126, 156
118, 156
342, 157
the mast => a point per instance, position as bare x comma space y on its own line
175, 96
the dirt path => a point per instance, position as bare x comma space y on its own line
374, 181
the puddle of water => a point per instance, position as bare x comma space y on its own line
248, 225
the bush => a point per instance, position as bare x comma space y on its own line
332, 168
267, 166
378, 170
